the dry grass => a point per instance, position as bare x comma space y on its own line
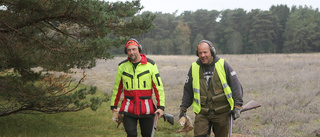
286, 85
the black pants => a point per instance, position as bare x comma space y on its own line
130, 125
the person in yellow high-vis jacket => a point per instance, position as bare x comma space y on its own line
138, 78
213, 90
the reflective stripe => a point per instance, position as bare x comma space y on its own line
147, 106
127, 105
197, 101
196, 90
229, 95
225, 85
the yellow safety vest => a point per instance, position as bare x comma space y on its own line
219, 66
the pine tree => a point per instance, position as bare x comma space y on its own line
57, 35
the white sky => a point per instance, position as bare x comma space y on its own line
170, 6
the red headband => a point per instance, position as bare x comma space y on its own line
132, 42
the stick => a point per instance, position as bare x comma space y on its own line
155, 123
230, 125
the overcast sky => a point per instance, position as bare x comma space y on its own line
170, 6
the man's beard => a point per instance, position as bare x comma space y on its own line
133, 57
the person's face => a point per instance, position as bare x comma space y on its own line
205, 53
133, 53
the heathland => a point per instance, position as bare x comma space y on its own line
286, 85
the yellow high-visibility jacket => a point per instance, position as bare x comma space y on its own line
138, 85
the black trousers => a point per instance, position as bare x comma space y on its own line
130, 125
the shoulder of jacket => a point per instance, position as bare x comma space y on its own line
124, 61
151, 61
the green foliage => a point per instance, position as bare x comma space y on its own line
181, 39
52, 94
237, 31
302, 31
198, 38
58, 35
264, 32
282, 12
231, 31
159, 40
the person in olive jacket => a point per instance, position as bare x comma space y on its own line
138, 78
213, 90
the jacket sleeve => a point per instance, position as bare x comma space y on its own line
187, 97
117, 90
158, 87
234, 83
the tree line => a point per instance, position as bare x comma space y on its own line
278, 30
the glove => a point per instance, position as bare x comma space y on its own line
182, 117
182, 113
235, 112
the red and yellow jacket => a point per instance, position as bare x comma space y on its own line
137, 85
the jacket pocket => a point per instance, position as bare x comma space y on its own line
146, 105
145, 97
204, 111
222, 109
219, 98
140, 75
128, 104
128, 78
203, 100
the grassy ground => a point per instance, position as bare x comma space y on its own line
286, 85
85, 123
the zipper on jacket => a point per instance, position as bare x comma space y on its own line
134, 73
